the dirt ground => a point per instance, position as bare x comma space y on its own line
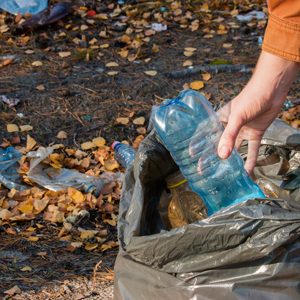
79, 97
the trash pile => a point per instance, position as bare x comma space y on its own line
61, 185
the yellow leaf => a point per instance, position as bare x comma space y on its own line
76, 244
112, 64
188, 53
104, 46
187, 63
25, 207
12, 128
33, 239
112, 73
139, 121
151, 73
37, 63
99, 141
227, 45
75, 195
30, 143
123, 53
40, 204
87, 145
190, 49
123, 121
87, 234
40, 87
110, 222
90, 247
26, 269
84, 27
62, 135
206, 76
111, 165
197, 85
64, 54
14, 290
26, 128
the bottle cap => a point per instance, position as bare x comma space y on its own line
114, 144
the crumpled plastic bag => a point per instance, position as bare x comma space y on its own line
247, 251
60, 179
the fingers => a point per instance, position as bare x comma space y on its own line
228, 137
238, 142
253, 148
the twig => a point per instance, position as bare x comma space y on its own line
95, 271
211, 69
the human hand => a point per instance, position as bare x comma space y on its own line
249, 114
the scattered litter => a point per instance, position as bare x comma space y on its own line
11, 102
23, 6
260, 40
158, 27
55, 179
258, 15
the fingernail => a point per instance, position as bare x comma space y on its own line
223, 152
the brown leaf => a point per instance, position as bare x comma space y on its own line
111, 165
122, 120
12, 128
13, 291
139, 121
40, 204
99, 141
87, 145
30, 143
197, 85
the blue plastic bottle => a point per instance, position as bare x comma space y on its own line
124, 154
190, 129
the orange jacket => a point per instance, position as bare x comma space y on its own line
282, 36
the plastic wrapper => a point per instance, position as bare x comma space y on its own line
60, 179
247, 251
9, 176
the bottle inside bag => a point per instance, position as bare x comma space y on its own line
190, 129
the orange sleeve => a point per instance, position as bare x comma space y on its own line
282, 36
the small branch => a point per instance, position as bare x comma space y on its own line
210, 69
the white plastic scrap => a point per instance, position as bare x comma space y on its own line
159, 27
258, 15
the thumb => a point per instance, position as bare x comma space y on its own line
228, 137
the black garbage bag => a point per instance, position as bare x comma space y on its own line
248, 251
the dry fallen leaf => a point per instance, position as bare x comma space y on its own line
26, 128
33, 238
187, 63
90, 247
26, 269
139, 121
40, 87
62, 135
112, 64
37, 63
112, 73
40, 204
122, 120
99, 141
13, 291
197, 85
151, 73
12, 128
111, 165
206, 76
64, 54
30, 143
87, 145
